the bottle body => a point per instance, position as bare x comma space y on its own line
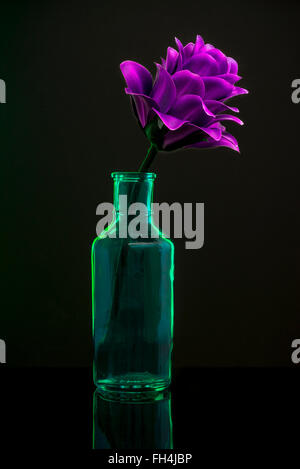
132, 309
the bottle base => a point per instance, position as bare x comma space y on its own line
132, 386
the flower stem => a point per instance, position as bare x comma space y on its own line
151, 153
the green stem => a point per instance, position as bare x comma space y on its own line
152, 152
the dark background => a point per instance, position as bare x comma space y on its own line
67, 124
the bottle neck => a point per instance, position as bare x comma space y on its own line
137, 189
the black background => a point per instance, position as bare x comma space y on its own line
67, 124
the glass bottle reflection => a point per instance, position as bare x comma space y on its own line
141, 424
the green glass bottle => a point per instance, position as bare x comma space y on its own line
132, 289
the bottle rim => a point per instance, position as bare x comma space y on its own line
132, 176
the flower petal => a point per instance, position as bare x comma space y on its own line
179, 63
208, 47
198, 45
174, 123
230, 137
230, 77
220, 58
187, 82
191, 108
233, 65
219, 106
138, 78
228, 117
171, 60
188, 51
213, 131
202, 64
174, 137
217, 88
164, 90
237, 91
210, 143
180, 46
143, 105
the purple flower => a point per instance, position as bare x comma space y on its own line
185, 105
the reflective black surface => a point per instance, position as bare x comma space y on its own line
210, 408
145, 423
